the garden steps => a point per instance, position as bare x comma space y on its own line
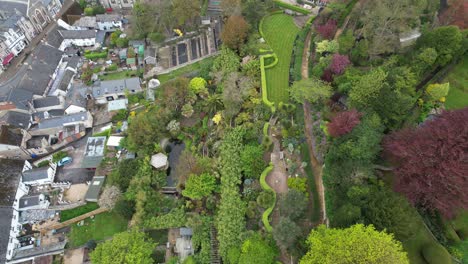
215, 259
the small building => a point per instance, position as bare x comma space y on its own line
73, 124
47, 103
86, 22
39, 176
80, 38
123, 54
94, 189
159, 161
115, 89
184, 247
131, 62
114, 141
116, 105
150, 56
109, 21
94, 152
33, 202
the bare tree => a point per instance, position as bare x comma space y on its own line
109, 197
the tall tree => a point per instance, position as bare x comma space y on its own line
343, 123
185, 11
383, 21
286, 233
293, 204
447, 41
199, 186
356, 244
235, 32
431, 162
327, 30
231, 7
257, 250
339, 63
312, 90
252, 161
367, 88
130, 247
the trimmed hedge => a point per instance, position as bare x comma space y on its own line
435, 253
266, 126
292, 7
264, 86
96, 55
267, 187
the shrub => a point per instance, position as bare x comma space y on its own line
58, 156
96, 55
112, 67
43, 164
266, 199
434, 253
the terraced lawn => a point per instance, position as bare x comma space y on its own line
279, 32
458, 79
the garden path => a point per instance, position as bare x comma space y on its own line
316, 166
277, 178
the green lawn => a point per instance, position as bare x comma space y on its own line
279, 32
72, 213
101, 227
118, 75
458, 79
185, 70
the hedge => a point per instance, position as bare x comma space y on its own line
264, 86
265, 128
292, 7
435, 253
75, 212
267, 187
96, 55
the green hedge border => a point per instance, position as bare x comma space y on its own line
266, 126
294, 8
266, 187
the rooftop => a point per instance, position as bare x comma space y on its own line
114, 141
9, 136
94, 188
51, 114
94, 152
159, 160
108, 17
16, 119
46, 102
63, 120
35, 174
117, 86
117, 105
28, 201
78, 34
86, 21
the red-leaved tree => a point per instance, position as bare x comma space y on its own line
343, 123
339, 63
327, 30
432, 162
327, 76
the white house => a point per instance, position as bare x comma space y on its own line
115, 89
39, 176
80, 38
109, 21
14, 40
33, 202
61, 126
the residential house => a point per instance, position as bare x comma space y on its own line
94, 189
109, 21
18, 22
67, 70
115, 89
18, 119
63, 126
86, 22
10, 192
80, 38
33, 202
117, 4
94, 152
184, 247
39, 176
47, 103
10, 143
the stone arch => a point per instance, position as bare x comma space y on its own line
39, 17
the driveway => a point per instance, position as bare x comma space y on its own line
73, 172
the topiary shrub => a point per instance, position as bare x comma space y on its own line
435, 253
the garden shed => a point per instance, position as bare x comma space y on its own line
92, 195
159, 161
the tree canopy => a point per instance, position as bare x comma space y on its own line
130, 247
199, 186
356, 244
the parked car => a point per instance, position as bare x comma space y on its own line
65, 161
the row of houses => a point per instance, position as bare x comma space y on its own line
20, 22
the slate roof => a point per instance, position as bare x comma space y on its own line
101, 36
52, 113
46, 102
27, 216
35, 174
6, 214
184, 231
60, 121
117, 86
44, 61
54, 38
94, 188
28, 201
67, 78
20, 97
94, 152
117, 105
10, 22
78, 34
107, 17
9, 136
10, 174
16, 119
86, 21
11, 6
